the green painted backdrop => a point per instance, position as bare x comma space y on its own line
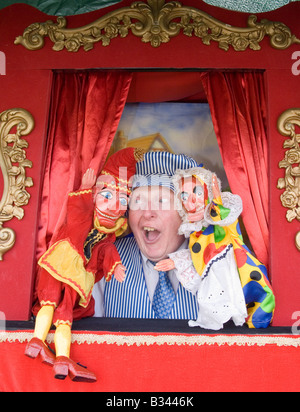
71, 7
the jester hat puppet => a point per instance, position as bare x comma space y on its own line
83, 253
210, 220
117, 176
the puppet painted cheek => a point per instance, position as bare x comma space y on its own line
116, 208
194, 207
109, 209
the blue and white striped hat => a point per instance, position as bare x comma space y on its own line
157, 168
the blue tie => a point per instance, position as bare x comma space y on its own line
164, 297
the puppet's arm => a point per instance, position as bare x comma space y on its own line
120, 272
224, 209
88, 179
185, 270
112, 264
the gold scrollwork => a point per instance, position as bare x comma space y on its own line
297, 240
14, 123
156, 22
290, 199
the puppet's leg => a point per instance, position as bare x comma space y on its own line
49, 293
43, 322
63, 365
37, 345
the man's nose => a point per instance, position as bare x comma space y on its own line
149, 209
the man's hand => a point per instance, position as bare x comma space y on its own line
120, 273
88, 179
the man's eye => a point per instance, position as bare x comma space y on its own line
184, 196
106, 194
123, 201
163, 200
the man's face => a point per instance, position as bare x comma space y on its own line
155, 222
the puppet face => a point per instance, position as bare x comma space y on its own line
192, 196
110, 202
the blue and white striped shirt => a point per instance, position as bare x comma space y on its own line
130, 299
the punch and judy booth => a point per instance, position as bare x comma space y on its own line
64, 84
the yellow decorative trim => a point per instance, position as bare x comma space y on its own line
62, 322
13, 163
170, 340
115, 177
119, 227
109, 275
81, 192
290, 199
118, 187
48, 303
156, 22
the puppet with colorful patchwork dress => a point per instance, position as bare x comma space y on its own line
82, 254
230, 283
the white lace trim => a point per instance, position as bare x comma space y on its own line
171, 339
229, 200
185, 270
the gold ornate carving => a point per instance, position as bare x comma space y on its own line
298, 241
156, 22
13, 162
290, 199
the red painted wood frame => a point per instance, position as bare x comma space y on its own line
27, 84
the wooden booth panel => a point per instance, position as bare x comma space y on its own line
30, 90
27, 85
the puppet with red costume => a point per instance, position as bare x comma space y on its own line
81, 255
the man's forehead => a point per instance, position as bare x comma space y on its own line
146, 190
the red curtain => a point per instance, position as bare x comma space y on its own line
170, 86
238, 107
85, 111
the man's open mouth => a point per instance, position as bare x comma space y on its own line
151, 234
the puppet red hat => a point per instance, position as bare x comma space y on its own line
121, 165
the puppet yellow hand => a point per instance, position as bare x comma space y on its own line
165, 265
88, 179
120, 273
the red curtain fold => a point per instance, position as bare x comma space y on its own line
238, 107
84, 115
170, 86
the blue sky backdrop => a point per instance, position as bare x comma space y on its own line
187, 127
